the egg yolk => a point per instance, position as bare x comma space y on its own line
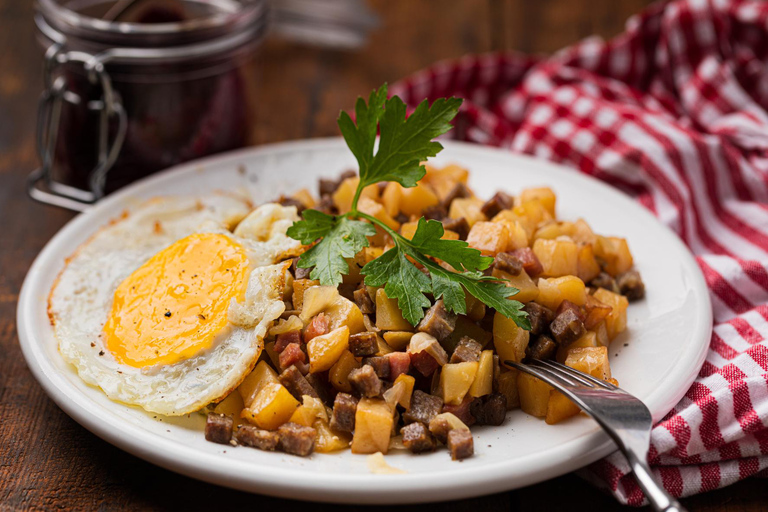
172, 307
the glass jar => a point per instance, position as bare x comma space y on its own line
132, 87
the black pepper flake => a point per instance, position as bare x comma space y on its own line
201, 317
626, 344
167, 314
101, 352
93, 344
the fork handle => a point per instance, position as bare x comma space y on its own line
658, 497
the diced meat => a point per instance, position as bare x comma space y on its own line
539, 316
218, 428
567, 327
380, 365
289, 201
467, 351
363, 344
399, 363
365, 381
363, 301
438, 321
631, 285
318, 326
542, 348
604, 280
291, 355
417, 438
326, 187
326, 205
298, 272
568, 305
507, 262
349, 173
463, 411
296, 384
459, 226
424, 363
530, 261
296, 439
319, 382
459, 190
285, 339
344, 409
490, 409
460, 444
250, 435
435, 212
500, 201
424, 407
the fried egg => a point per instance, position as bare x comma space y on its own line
167, 308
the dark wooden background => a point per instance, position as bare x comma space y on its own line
49, 462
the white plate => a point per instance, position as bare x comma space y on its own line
657, 359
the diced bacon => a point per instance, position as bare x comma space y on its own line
530, 261
317, 327
285, 339
462, 411
291, 355
425, 363
399, 363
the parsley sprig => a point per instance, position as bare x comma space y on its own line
404, 143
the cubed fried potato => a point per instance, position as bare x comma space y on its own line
444, 180
455, 381
469, 208
490, 238
376, 210
408, 229
596, 312
534, 394
552, 230
367, 255
582, 233
305, 197
483, 383
588, 269
299, 287
262, 375
353, 276
388, 314
273, 356
233, 406
601, 334
559, 408
475, 308
310, 410
615, 253
340, 310
509, 340
544, 195
339, 372
518, 237
373, 426
398, 340
508, 388
558, 257
590, 360
391, 197
271, 407
326, 349
408, 382
329, 440
616, 320
531, 214
416, 199
343, 196
589, 339
555, 290
528, 290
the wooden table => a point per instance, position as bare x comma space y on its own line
49, 462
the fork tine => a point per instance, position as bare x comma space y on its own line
581, 376
542, 373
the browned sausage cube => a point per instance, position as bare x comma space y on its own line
467, 351
539, 316
604, 280
459, 226
250, 435
435, 212
297, 384
363, 301
567, 327
319, 382
438, 321
417, 438
459, 190
218, 428
365, 381
631, 285
500, 201
490, 409
460, 444
566, 305
530, 261
363, 344
380, 365
506, 262
296, 439
462, 410
344, 409
424, 407
542, 348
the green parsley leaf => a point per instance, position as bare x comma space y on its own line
402, 281
457, 253
361, 137
315, 225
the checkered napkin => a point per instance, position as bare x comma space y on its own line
675, 113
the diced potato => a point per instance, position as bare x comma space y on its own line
329, 440
596, 312
269, 349
339, 372
528, 289
615, 252
310, 410
376, 210
384, 347
483, 383
490, 238
455, 381
582, 233
390, 198
508, 388
292, 323
367, 255
544, 195
232, 405
469, 208
555, 290
408, 382
591, 360
340, 310
588, 269
534, 395
408, 229
416, 199
558, 257
262, 375
553, 230
272, 407
588, 340
398, 340
344, 195
299, 287
509, 340
326, 349
518, 238
475, 308
305, 197
559, 408
616, 321
601, 334
373, 426
444, 180
388, 314
531, 214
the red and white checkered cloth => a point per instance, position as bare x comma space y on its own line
675, 113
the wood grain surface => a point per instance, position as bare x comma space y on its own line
49, 462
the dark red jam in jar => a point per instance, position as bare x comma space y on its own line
136, 86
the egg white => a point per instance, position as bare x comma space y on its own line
81, 299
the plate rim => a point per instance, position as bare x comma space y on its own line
389, 489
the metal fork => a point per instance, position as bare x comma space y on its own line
626, 419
